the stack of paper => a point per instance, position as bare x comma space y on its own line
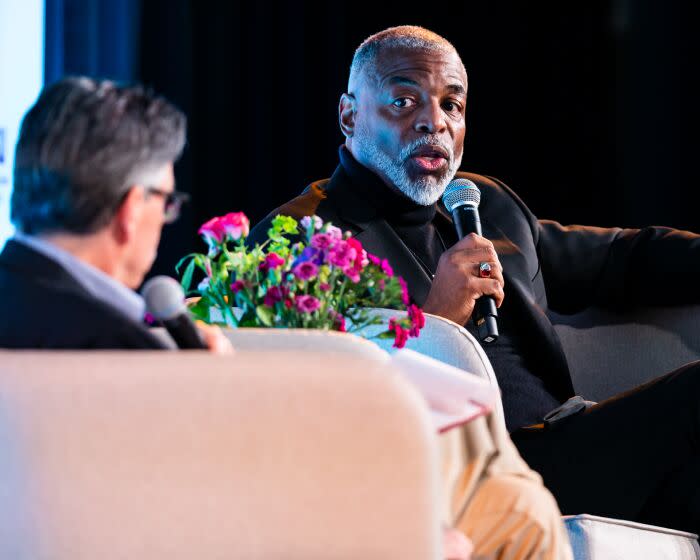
454, 396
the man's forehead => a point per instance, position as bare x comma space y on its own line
403, 66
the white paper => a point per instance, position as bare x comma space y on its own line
453, 395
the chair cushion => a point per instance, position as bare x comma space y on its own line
600, 538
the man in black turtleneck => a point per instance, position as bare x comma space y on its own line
634, 457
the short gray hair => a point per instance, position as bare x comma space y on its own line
409, 37
81, 147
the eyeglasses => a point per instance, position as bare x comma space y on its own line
173, 202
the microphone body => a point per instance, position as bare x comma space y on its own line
184, 332
165, 300
462, 199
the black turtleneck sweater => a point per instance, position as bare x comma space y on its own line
427, 234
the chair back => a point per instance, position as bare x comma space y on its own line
181, 455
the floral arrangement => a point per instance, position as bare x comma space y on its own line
324, 280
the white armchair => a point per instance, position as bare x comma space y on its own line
592, 537
181, 455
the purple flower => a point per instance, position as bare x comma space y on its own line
309, 254
273, 295
305, 270
237, 286
272, 261
307, 222
321, 241
307, 304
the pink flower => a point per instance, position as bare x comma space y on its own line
237, 286
214, 234
273, 295
307, 304
374, 259
352, 273
381, 284
232, 226
338, 321
341, 254
404, 291
415, 314
324, 287
361, 259
386, 267
236, 225
400, 334
272, 261
334, 232
305, 270
321, 241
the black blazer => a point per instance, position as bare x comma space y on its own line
43, 306
546, 266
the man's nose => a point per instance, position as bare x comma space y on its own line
430, 119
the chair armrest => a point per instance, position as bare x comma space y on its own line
612, 352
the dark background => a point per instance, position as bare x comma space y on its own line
589, 110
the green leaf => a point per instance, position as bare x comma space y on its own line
265, 314
187, 276
182, 261
385, 334
200, 310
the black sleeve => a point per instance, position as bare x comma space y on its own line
617, 268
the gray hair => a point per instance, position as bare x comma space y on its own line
81, 147
408, 37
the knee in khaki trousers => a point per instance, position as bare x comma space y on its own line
495, 498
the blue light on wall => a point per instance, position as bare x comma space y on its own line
21, 78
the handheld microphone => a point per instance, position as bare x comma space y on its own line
461, 198
165, 300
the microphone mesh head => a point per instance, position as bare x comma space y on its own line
164, 297
459, 192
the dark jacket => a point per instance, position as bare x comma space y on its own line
546, 265
43, 306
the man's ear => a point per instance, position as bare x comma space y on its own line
125, 220
346, 114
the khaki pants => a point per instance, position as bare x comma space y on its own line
495, 498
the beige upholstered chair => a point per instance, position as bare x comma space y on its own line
181, 455
611, 339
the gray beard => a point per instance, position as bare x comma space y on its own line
425, 190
